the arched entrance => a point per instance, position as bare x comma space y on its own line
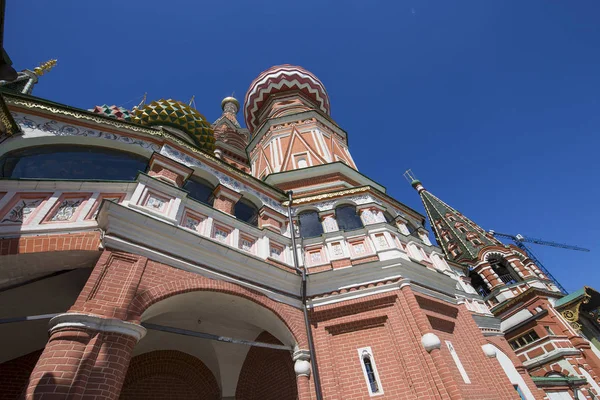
164, 374
200, 368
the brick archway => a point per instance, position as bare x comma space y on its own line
165, 374
161, 281
267, 374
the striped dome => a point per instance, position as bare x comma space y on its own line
178, 115
279, 79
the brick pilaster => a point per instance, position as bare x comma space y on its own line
80, 363
440, 371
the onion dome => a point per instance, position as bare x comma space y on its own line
280, 79
177, 115
113, 112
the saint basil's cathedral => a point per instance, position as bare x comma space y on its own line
147, 253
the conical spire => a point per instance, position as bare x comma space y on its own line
459, 237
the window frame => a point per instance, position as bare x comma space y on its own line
367, 353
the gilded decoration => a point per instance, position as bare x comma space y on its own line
573, 309
177, 115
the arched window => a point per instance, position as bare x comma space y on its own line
347, 218
310, 224
370, 371
246, 211
504, 271
454, 250
199, 189
71, 162
479, 284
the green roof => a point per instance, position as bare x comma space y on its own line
569, 298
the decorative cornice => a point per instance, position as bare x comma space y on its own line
96, 323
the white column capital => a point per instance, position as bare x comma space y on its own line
96, 323
301, 363
431, 341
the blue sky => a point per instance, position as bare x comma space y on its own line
494, 104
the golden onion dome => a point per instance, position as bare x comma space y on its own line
177, 115
230, 99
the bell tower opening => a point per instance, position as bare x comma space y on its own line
504, 270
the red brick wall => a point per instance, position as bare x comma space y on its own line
41, 243
14, 375
167, 374
267, 374
340, 329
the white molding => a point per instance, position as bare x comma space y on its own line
96, 323
357, 294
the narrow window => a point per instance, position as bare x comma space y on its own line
370, 374
459, 364
518, 389
476, 242
370, 371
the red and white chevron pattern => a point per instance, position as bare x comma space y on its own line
278, 79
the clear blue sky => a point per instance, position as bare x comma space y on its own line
494, 104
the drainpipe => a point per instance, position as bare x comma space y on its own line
302, 273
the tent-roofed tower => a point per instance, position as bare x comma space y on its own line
496, 269
459, 237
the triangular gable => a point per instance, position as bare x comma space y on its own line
339, 151
296, 136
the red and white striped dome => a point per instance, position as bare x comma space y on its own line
278, 79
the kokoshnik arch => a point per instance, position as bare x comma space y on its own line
149, 233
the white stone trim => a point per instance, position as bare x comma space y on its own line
459, 365
96, 323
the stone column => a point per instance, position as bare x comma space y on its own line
489, 276
328, 221
270, 219
225, 199
86, 356
302, 369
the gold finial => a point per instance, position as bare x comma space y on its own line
192, 101
44, 67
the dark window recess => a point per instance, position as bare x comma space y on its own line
199, 189
371, 375
389, 219
347, 218
310, 224
504, 271
412, 230
524, 340
479, 284
71, 162
246, 211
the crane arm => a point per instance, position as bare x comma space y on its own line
553, 244
525, 239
